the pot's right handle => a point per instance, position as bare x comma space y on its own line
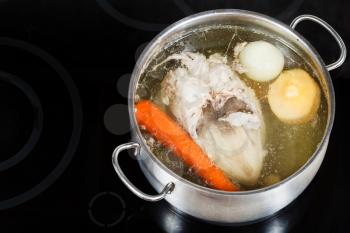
133, 145
331, 30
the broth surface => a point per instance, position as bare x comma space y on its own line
288, 146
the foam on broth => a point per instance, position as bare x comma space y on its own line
288, 146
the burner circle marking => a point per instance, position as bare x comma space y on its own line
37, 124
115, 222
76, 129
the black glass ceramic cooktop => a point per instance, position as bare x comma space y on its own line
64, 72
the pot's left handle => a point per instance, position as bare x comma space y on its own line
133, 145
331, 30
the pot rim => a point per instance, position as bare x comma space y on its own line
230, 12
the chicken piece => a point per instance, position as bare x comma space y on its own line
219, 111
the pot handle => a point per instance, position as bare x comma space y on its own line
331, 30
133, 145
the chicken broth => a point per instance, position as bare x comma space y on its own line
286, 146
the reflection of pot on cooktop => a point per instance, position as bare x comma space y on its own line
40, 104
281, 9
297, 217
168, 219
156, 14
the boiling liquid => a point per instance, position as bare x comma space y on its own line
288, 146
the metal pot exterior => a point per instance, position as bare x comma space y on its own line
228, 209
214, 205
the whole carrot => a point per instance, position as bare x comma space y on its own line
171, 135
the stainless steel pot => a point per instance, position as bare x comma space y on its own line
221, 206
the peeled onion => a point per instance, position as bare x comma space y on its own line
261, 60
294, 97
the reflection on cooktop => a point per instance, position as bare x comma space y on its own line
300, 216
155, 15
